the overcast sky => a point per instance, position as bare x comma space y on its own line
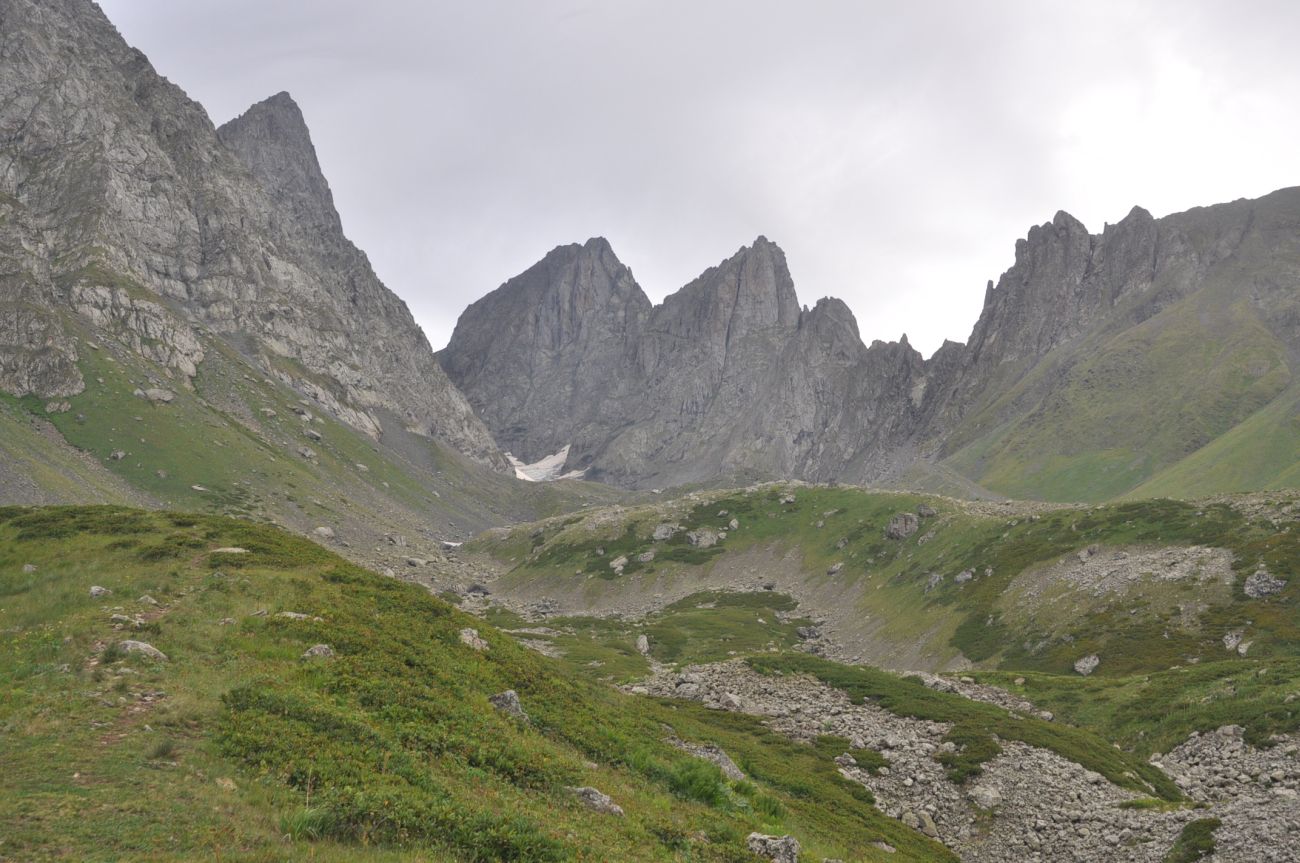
896, 151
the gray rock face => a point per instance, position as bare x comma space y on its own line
726, 376
121, 204
730, 377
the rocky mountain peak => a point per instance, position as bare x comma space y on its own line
272, 140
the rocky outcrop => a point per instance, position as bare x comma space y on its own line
122, 209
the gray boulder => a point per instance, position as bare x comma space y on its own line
902, 525
778, 849
318, 651
1087, 664
1262, 584
470, 638
597, 801
508, 702
143, 648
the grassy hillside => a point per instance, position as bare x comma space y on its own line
999, 586
231, 444
1117, 410
236, 748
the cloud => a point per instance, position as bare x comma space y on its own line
896, 151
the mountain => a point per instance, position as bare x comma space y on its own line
122, 206
1100, 364
728, 376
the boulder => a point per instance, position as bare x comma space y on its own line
902, 525
143, 648
508, 702
318, 651
596, 801
29, 568
312, 434
96, 591
1263, 584
472, 639
986, 796
778, 849
1088, 664
664, 532
703, 538
159, 396
646, 556
835, 568
926, 511
306, 452
643, 645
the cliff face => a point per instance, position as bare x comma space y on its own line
728, 376
122, 206
1098, 361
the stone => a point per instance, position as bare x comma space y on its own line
643, 645
508, 702
596, 801
146, 599
307, 452
29, 568
297, 615
902, 525
312, 434
664, 532
646, 556
160, 396
734, 524
985, 796
964, 576
703, 538
117, 455
1261, 584
1087, 665
143, 648
97, 592
618, 563
835, 568
416, 562
324, 532
778, 849
472, 639
318, 651
232, 549
926, 511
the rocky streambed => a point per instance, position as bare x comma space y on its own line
1029, 804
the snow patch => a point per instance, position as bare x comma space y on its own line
545, 470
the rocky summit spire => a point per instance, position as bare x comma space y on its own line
271, 139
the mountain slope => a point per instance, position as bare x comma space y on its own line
120, 204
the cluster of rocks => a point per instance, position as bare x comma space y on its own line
1028, 804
